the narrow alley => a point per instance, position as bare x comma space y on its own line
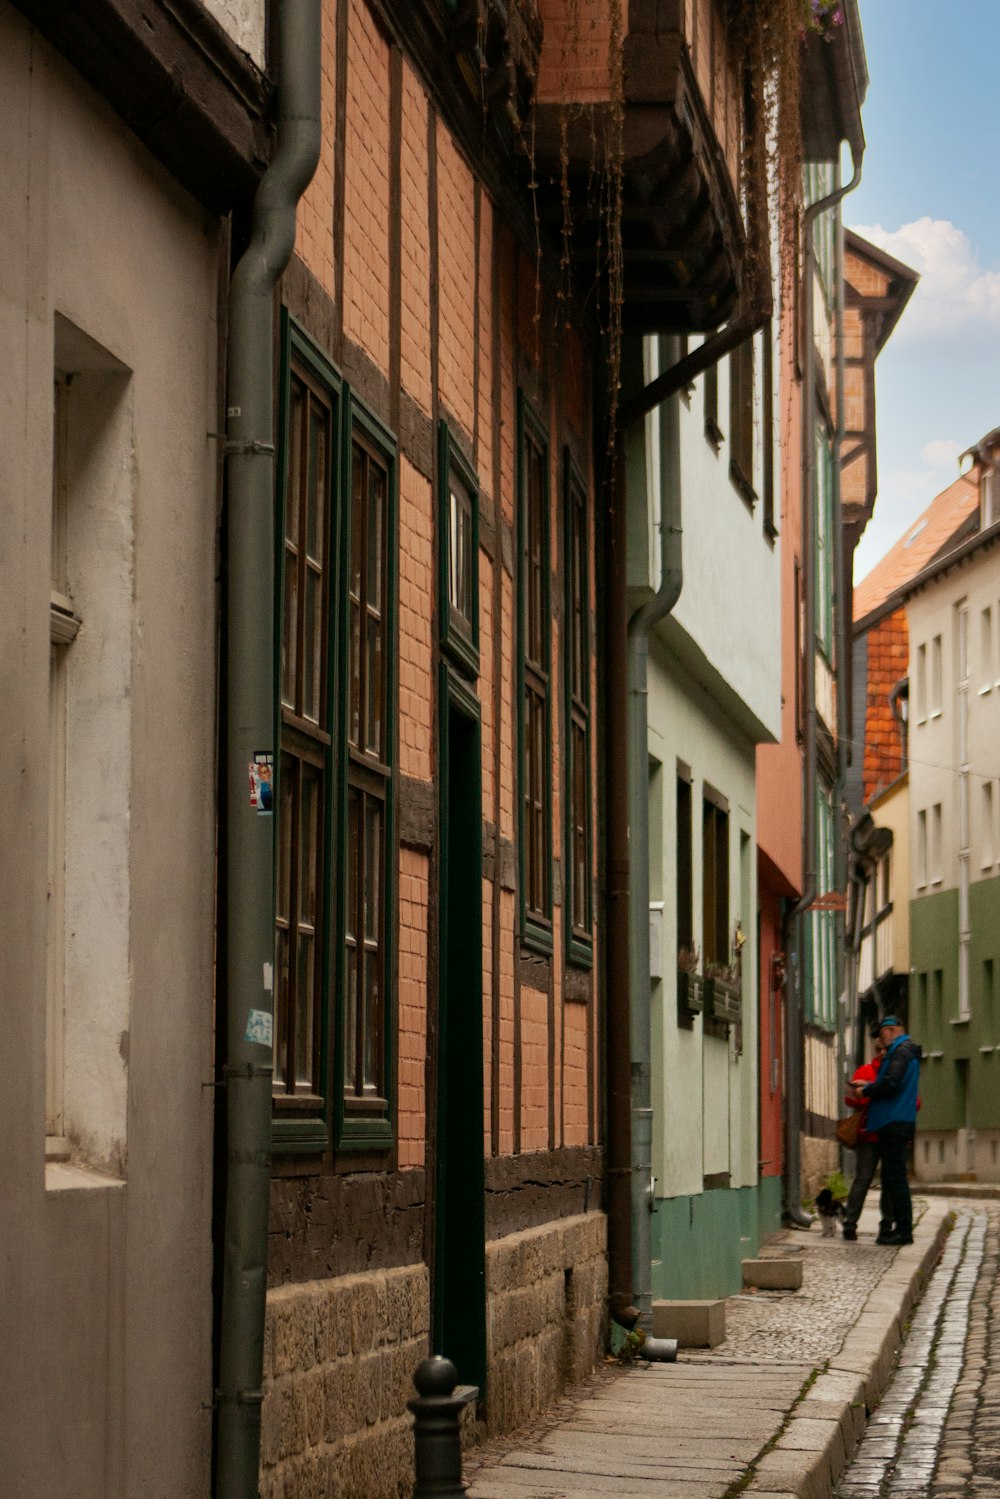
908, 1336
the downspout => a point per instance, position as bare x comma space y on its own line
643, 621
251, 731
793, 1004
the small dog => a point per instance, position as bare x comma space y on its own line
829, 1210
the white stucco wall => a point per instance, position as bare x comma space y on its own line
105, 1361
727, 623
244, 20
934, 754
704, 1093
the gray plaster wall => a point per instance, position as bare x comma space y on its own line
105, 1260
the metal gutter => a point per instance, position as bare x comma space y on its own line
643, 621
250, 725
796, 915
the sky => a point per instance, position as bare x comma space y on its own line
928, 195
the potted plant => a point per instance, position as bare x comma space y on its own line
690, 989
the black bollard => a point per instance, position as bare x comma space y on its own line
437, 1436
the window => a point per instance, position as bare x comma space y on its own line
988, 854
741, 413
821, 947
535, 649
369, 550
334, 865
934, 673
91, 643
921, 850
825, 542
989, 497
713, 431
767, 439
934, 845
920, 686
576, 636
986, 670
715, 882
304, 772
684, 878
458, 562
63, 626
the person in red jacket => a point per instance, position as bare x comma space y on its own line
867, 1150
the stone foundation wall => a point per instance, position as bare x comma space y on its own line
546, 1291
339, 1357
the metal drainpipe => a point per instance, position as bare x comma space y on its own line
793, 1000
640, 625
842, 636
251, 730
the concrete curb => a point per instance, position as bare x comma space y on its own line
824, 1429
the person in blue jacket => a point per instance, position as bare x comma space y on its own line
892, 1115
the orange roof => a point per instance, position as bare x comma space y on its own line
920, 544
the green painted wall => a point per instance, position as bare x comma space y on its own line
699, 1241
962, 1066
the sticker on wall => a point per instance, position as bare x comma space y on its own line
262, 781
259, 1027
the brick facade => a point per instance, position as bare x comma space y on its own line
419, 286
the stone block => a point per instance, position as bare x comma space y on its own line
315, 1406
695, 1324
364, 1314
340, 1320
369, 1389
773, 1275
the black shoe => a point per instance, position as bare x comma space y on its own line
894, 1239
850, 1234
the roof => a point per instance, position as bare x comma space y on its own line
902, 280
929, 535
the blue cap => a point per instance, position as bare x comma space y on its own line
889, 1020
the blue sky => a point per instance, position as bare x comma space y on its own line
929, 195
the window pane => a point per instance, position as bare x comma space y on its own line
289, 628
351, 940
373, 953
293, 488
373, 685
304, 986
283, 901
315, 506
354, 672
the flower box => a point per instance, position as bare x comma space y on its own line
690, 993
722, 1001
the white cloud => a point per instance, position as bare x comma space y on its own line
956, 297
942, 453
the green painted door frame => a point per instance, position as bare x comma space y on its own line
460, 1218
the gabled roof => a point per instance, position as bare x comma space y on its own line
942, 525
901, 282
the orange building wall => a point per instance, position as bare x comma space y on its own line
462, 353
888, 657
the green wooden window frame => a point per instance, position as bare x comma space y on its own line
458, 555
825, 541
821, 932
366, 947
307, 713
534, 669
578, 914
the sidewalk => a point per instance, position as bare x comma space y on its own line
776, 1409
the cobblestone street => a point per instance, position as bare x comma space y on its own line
937, 1428
779, 1407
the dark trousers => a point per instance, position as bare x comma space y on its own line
897, 1206
866, 1162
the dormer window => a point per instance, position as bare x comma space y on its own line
989, 497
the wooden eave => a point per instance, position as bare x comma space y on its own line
683, 241
833, 87
174, 76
